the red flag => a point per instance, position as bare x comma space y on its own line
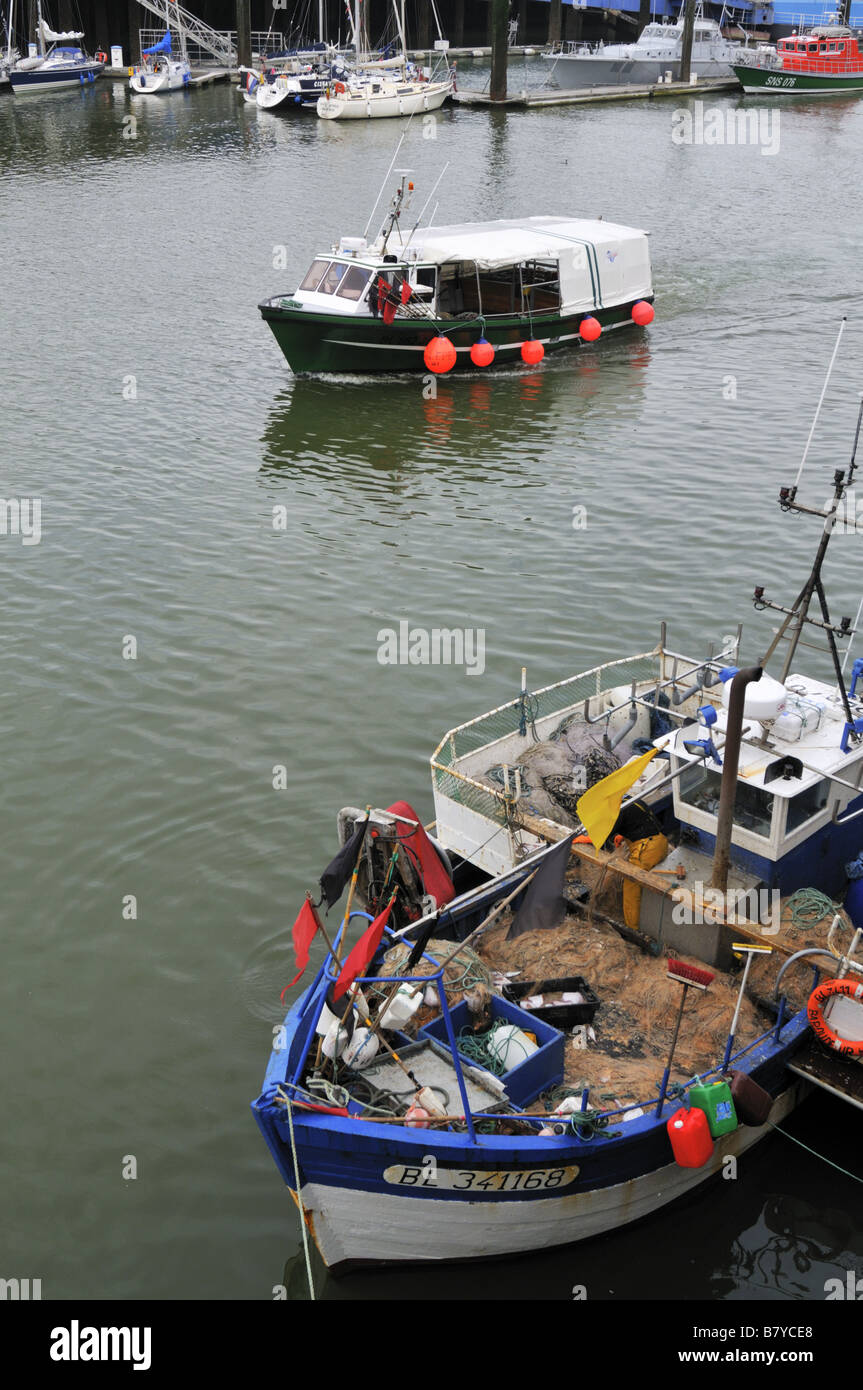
358, 960
303, 931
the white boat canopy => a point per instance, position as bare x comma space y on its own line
617, 256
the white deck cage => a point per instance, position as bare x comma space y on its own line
483, 824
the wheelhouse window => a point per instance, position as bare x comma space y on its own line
314, 275
753, 807
333, 278
353, 283
805, 805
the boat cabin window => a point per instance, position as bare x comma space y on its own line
805, 805
753, 807
353, 283
333, 278
315, 275
540, 282
426, 275
508, 289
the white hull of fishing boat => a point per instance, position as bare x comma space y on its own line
170, 76
353, 1227
407, 99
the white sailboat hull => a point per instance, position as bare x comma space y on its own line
171, 78
415, 97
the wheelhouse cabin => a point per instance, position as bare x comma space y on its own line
830, 50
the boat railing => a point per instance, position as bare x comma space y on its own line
561, 47
654, 668
799, 64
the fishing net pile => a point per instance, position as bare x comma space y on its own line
638, 1008
557, 771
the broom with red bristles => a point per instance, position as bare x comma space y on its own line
691, 977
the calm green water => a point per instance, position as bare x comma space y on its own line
145, 258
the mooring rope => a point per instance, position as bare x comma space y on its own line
815, 1153
300, 1207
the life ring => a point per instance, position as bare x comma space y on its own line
340, 88
818, 999
101, 57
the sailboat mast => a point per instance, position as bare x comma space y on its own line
400, 25
39, 34
320, 21
9, 33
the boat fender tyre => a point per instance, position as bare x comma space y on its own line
818, 999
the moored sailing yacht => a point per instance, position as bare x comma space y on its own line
161, 70
61, 63
385, 87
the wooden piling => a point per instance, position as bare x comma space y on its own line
499, 48
244, 34
555, 21
688, 31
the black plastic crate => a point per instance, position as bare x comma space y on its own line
558, 1015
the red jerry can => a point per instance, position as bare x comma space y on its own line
689, 1133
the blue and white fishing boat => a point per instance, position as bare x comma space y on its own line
484, 1076
61, 63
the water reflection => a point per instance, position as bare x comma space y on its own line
790, 1251
401, 424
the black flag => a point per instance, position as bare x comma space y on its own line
544, 906
338, 872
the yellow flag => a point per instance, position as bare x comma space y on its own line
599, 808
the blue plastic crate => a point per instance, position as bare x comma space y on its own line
536, 1073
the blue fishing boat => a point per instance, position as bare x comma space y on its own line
617, 964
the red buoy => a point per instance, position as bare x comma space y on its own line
482, 353
440, 355
590, 329
690, 1138
532, 351
642, 313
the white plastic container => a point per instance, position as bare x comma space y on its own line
404, 1005
788, 726
764, 698
362, 1048
509, 1046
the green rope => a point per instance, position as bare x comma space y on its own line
808, 907
483, 1048
815, 1152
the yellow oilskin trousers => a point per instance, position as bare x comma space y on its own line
645, 853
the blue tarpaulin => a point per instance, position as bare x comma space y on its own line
163, 46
